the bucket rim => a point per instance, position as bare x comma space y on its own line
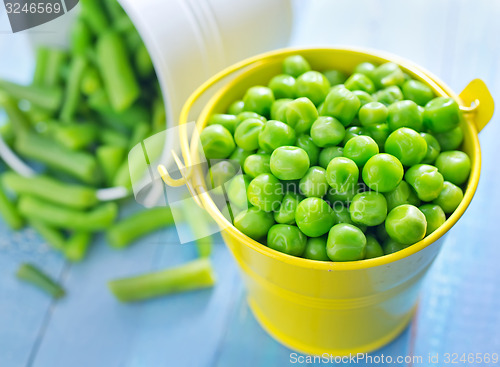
439, 87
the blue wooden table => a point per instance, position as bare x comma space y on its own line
459, 309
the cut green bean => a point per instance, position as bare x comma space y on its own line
137, 225
113, 137
50, 189
81, 37
17, 118
73, 93
77, 245
94, 15
48, 98
31, 274
194, 275
143, 62
41, 61
7, 133
99, 218
52, 236
80, 165
9, 212
127, 118
114, 10
57, 58
110, 159
118, 76
75, 136
122, 177
91, 81
98, 100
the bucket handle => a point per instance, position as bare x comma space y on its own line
478, 97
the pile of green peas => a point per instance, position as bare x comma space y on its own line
337, 167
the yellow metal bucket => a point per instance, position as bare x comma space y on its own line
319, 307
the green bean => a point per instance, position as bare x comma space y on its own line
77, 245
122, 177
7, 133
50, 189
52, 236
196, 274
57, 58
91, 81
75, 136
17, 118
81, 37
31, 274
47, 98
199, 223
9, 212
93, 13
99, 218
127, 118
114, 9
80, 165
41, 61
98, 100
118, 76
143, 62
73, 94
137, 225
113, 137
110, 159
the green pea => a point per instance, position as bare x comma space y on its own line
219, 174
286, 212
257, 164
335, 77
289, 163
240, 155
386, 75
383, 172
404, 114
359, 81
327, 154
295, 66
360, 149
247, 133
314, 217
434, 215
316, 249
300, 114
450, 140
368, 208
441, 114
342, 174
249, 115
454, 165
278, 109
450, 197
417, 92
373, 248
373, 113
287, 239
346, 243
425, 180
407, 145
314, 184
327, 131
254, 222
342, 196
276, 134
305, 142
406, 224
228, 121
365, 68
312, 85
390, 246
217, 142
402, 194
379, 133
236, 107
237, 191
388, 95
352, 132
265, 192
283, 86
364, 98
433, 148
342, 104
259, 99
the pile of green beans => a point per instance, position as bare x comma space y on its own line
339, 167
86, 107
